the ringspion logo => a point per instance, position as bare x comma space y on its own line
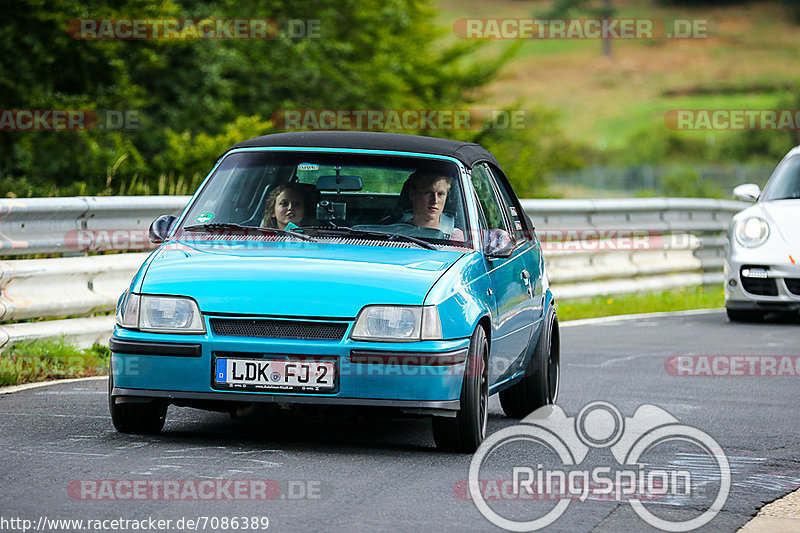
656, 460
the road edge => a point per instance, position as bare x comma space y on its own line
781, 515
36, 385
618, 318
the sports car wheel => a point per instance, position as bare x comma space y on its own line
467, 430
539, 387
139, 418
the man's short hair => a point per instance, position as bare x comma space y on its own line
421, 178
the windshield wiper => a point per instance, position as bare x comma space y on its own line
344, 230
238, 227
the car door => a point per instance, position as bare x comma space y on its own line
530, 248
510, 282
523, 233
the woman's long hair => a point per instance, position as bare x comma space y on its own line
269, 213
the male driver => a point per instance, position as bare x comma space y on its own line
428, 193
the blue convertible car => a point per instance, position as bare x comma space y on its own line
342, 269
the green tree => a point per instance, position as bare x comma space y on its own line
192, 94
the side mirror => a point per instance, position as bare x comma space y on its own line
749, 192
160, 227
498, 244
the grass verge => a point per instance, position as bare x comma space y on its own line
700, 297
40, 360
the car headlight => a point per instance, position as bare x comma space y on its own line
162, 314
752, 231
128, 311
397, 323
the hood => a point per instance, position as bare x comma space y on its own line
295, 278
784, 218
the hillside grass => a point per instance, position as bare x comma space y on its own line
746, 63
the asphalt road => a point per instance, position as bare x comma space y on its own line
356, 474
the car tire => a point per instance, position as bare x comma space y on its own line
466, 431
744, 315
139, 418
539, 386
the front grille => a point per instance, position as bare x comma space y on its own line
278, 329
793, 284
760, 286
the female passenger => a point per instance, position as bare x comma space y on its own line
285, 204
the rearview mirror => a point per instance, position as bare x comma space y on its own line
498, 244
339, 183
749, 192
160, 227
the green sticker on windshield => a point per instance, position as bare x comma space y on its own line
202, 218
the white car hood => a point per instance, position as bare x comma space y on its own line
784, 218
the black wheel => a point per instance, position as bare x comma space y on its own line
540, 385
467, 430
140, 418
744, 315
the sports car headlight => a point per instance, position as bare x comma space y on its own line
752, 231
162, 314
397, 323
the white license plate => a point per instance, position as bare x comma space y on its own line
275, 374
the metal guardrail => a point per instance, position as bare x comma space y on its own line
590, 247
37, 288
682, 243
79, 224
665, 215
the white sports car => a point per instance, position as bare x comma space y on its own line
762, 267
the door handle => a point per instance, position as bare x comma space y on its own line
526, 278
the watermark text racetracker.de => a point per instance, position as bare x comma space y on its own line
69, 119
733, 365
586, 28
131, 490
524, 477
552, 239
733, 119
170, 29
399, 119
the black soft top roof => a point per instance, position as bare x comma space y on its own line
467, 153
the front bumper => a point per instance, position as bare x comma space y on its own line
420, 377
778, 291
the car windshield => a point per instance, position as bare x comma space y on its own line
785, 184
333, 196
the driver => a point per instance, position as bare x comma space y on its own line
428, 193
